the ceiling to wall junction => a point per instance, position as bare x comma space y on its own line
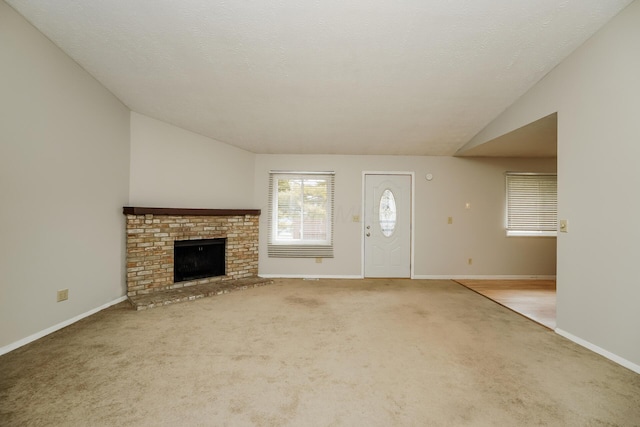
417, 77
537, 139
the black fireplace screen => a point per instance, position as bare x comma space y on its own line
196, 259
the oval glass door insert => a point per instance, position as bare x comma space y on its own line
387, 214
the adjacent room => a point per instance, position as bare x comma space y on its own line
285, 213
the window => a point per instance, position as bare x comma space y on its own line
387, 213
532, 204
301, 214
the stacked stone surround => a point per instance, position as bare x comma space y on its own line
151, 233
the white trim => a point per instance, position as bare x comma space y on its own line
488, 277
413, 219
24, 341
416, 277
362, 222
293, 172
309, 276
531, 173
519, 233
601, 351
413, 226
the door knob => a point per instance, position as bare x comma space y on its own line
368, 234
368, 227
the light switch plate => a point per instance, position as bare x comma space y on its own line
564, 226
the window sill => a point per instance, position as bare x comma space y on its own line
301, 243
532, 233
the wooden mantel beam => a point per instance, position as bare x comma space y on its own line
135, 210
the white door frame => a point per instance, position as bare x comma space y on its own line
362, 218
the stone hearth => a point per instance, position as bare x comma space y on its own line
191, 293
151, 233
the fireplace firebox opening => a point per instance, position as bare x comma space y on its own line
197, 259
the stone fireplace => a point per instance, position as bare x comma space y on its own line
153, 233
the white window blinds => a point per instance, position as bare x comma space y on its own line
532, 204
300, 214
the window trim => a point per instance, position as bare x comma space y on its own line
302, 248
521, 232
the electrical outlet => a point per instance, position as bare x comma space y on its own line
318, 260
63, 295
450, 220
470, 261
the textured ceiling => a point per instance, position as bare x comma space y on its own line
332, 76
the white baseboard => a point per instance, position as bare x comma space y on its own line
487, 277
601, 351
45, 332
308, 276
416, 277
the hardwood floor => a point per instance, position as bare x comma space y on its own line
535, 299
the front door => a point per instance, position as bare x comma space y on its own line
387, 226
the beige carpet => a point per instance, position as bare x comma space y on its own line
315, 353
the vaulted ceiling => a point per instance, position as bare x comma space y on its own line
414, 77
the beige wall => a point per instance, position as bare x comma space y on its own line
64, 172
596, 92
172, 167
440, 249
